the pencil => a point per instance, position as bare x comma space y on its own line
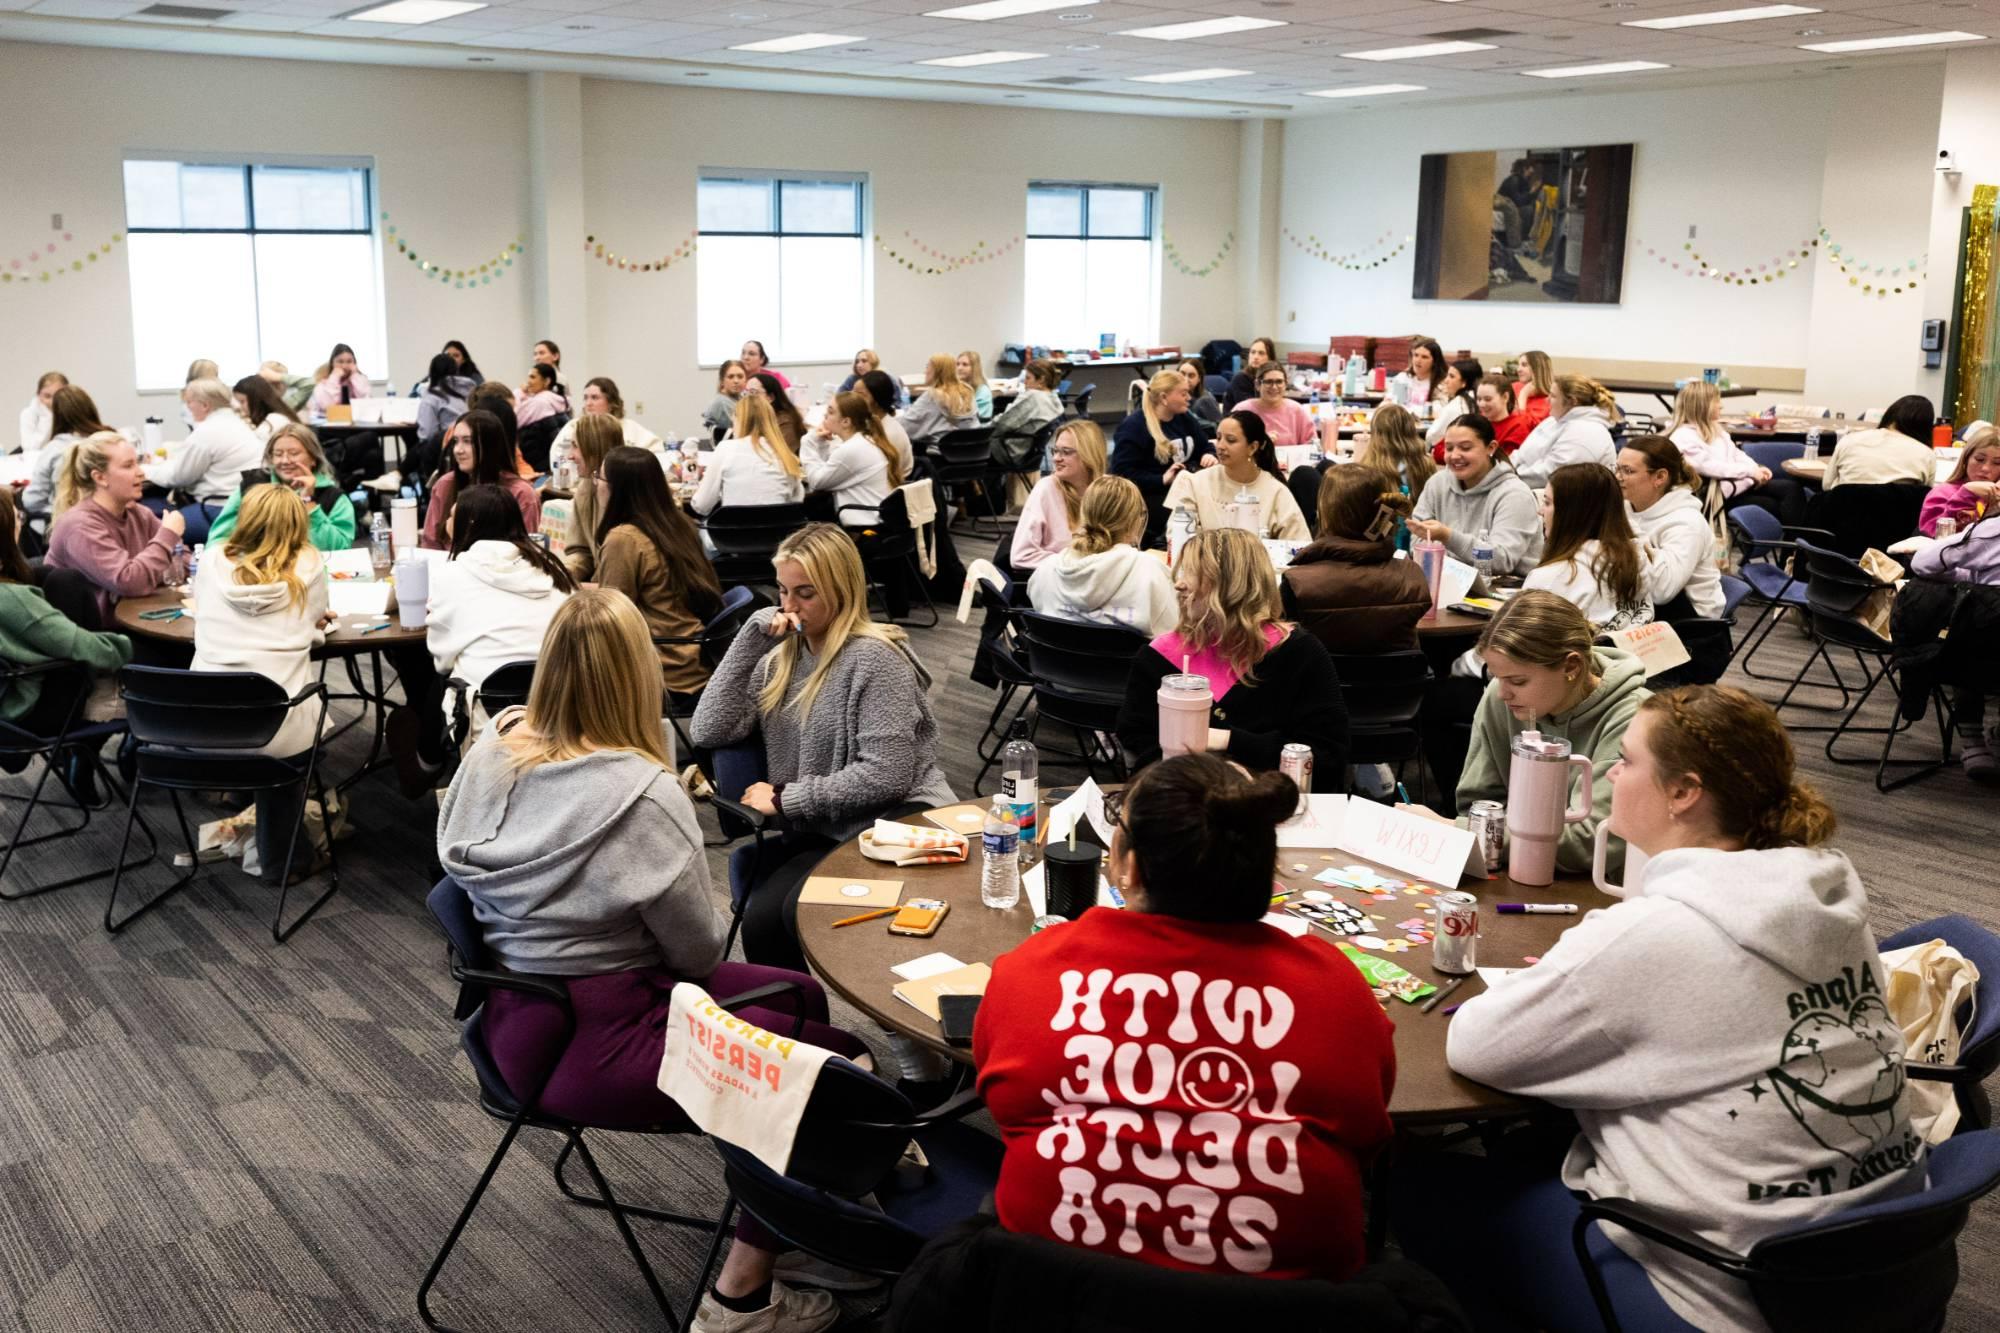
867, 916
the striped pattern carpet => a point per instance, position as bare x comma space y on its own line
203, 1131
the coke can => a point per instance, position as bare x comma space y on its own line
1455, 947
1487, 822
1295, 761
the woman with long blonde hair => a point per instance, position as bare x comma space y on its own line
1707, 447
851, 456
1076, 460
1578, 430
102, 531
754, 466
1270, 684
847, 731
1104, 576
1396, 446
972, 373
946, 404
294, 458
1158, 442
1534, 382
260, 604
619, 917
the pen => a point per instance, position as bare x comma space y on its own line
1447, 989
1535, 909
867, 916
1403, 793
383, 624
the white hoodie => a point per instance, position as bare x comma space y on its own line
211, 461
488, 607
1676, 535
1726, 1046
255, 627
1580, 435
1121, 586
36, 423
740, 475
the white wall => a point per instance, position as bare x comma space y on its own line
1965, 126
448, 150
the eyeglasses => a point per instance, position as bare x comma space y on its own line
1062, 453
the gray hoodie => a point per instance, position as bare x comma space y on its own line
1725, 1043
582, 867
1501, 506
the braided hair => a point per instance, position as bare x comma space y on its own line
1733, 744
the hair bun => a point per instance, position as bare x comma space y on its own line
1262, 800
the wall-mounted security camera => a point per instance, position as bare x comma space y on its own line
1947, 161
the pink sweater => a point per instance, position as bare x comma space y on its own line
526, 496
1288, 422
327, 392
1043, 532
1949, 500
126, 556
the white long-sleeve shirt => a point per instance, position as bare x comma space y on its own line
1680, 547
36, 423
211, 462
740, 475
853, 469
1575, 582
1720, 458
1579, 435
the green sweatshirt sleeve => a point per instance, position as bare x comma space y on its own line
1484, 777
333, 529
52, 636
225, 522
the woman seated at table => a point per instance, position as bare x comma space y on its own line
1193, 850
1544, 675
1668, 520
851, 458
1456, 397
1200, 401
1970, 556
973, 375
1899, 452
596, 436
791, 424
1048, 519
494, 397
539, 399
1697, 431
885, 393
1245, 462
601, 398
73, 419
1243, 384
1534, 386
1479, 496
293, 459
1157, 443
1347, 588
38, 417
1396, 446
620, 916
1104, 577
846, 727
258, 403
1425, 376
1016, 429
477, 454
103, 532
1271, 685
461, 359
755, 465
446, 396
865, 360
721, 409
547, 354
944, 406
260, 604
1493, 400
491, 601
1578, 430
651, 551
1968, 494
1589, 556
1745, 909
755, 361
210, 462
344, 382
1286, 422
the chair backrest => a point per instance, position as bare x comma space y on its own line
1836, 590
1734, 590
507, 686
738, 605
753, 529
1861, 516
1217, 385
1773, 453
1077, 658
202, 710
1383, 689
1757, 526
1892, 1264
968, 449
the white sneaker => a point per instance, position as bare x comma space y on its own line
799, 1269
789, 1312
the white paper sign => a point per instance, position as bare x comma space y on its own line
928, 966
1655, 644
345, 597
1322, 825
1082, 810
1423, 848
1457, 581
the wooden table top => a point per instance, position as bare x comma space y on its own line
1451, 624
346, 637
855, 961
1808, 469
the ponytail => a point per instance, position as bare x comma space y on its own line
1157, 390
73, 475
1583, 391
1112, 513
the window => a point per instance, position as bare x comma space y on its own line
244, 263
1091, 267
782, 260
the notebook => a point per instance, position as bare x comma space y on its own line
924, 991
852, 892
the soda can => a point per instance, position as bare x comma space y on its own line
1295, 761
1042, 923
1455, 947
1487, 821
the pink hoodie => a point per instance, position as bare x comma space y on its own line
1953, 500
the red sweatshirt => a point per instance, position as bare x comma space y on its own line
1192, 1095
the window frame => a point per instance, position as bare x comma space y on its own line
864, 203
1083, 188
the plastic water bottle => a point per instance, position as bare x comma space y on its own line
1243, 511
194, 560
1000, 866
1019, 763
1482, 557
379, 554
1357, 367
1181, 526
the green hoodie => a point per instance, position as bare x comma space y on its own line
1595, 727
330, 512
33, 631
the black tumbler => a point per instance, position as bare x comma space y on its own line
1071, 877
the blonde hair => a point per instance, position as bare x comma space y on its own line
860, 409
757, 422
1113, 513
273, 368
201, 368
211, 393
1396, 447
874, 361
1233, 595
833, 567
1541, 373
1583, 391
597, 686
942, 381
1985, 437
73, 479
597, 434
978, 369
1157, 389
271, 530
1087, 438
1540, 629
1698, 404
293, 430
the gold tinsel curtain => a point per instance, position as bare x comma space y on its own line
1978, 366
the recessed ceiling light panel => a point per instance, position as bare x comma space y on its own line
801, 41
984, 58
1419, 52
1003, 9
1583, 71
1722, 16
1888, 43
414, 11
1182, 32
1369, 90
1189, 75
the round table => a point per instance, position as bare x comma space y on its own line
854, 961
348, 636
1450, 624
1805, 469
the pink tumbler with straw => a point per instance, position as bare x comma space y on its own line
1430, 557
1184, 701
1538, 804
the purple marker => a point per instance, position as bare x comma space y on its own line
1536, 909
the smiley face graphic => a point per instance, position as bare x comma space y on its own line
1214, 1079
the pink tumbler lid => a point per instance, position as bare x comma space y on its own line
1540, 746
1189, 684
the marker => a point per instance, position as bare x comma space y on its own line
1403, 793
1451, 1009
1447, 989
384, 624
867, 916
1535, 909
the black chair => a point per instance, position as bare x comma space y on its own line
1708, 639
738, 605
504, 687
745, 537
1836, 590
888, 545
1857, 517
535, 439
74, 736
1886, 1265
1079, 671
473, 969
962, 466
1304, 481
1767, 548
1078, 404
1384, 693
1004, 658
1978, 1020
198, 731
